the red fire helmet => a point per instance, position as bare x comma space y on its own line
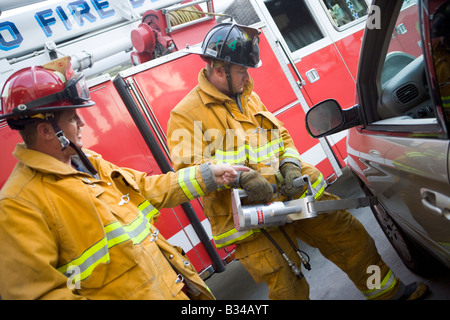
43, 89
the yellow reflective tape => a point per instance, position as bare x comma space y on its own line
90, 252
115, 240
231, 157
183, 186
291, 153
87, 272
139, 238
229, 237
445, 101
189, 184
318, 187
148, 210
321, 183
247, 152
132, 229
138, 221
137, 231
386, 285
195, 184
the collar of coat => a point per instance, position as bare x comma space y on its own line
210, 95
43, 162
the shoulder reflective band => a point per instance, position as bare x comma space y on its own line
115, 233
385, 286
246, 152
188, 183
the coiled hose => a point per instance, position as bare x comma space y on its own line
184, 15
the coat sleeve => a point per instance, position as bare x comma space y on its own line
173, 188
29, 255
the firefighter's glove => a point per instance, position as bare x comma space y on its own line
290, 172
258, 189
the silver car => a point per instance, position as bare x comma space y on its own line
398, 131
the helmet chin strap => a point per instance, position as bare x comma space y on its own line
67, 143
231, 93
83, 158
227, 68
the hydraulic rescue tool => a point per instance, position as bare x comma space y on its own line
279, 213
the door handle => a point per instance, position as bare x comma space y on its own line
437, 203
312, 75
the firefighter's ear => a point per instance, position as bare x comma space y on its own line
45, 131
220, 72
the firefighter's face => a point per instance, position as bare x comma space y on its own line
239, 77
71, 123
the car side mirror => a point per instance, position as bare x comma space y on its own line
327, 117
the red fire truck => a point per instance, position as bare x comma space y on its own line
132, 54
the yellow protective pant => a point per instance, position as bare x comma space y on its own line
338, 235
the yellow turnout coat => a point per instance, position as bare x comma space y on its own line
67, 235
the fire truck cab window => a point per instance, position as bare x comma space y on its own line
295, 22
343, 12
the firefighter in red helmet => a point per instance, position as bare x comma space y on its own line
74, 226
228, 123
39, 92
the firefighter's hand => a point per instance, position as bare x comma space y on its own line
227, 174
290, 172
258, 189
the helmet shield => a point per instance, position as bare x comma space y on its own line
75, 90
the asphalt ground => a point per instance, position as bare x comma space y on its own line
328, 282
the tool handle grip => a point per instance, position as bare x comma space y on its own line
285, 211
299, 182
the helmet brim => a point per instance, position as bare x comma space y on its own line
197, 49
51, 109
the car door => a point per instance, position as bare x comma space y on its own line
402, 151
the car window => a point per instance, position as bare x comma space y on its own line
343, 12
295, 22
405, 44
405, 98
440, 47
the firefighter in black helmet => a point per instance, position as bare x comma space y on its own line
230, 43
228, 123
